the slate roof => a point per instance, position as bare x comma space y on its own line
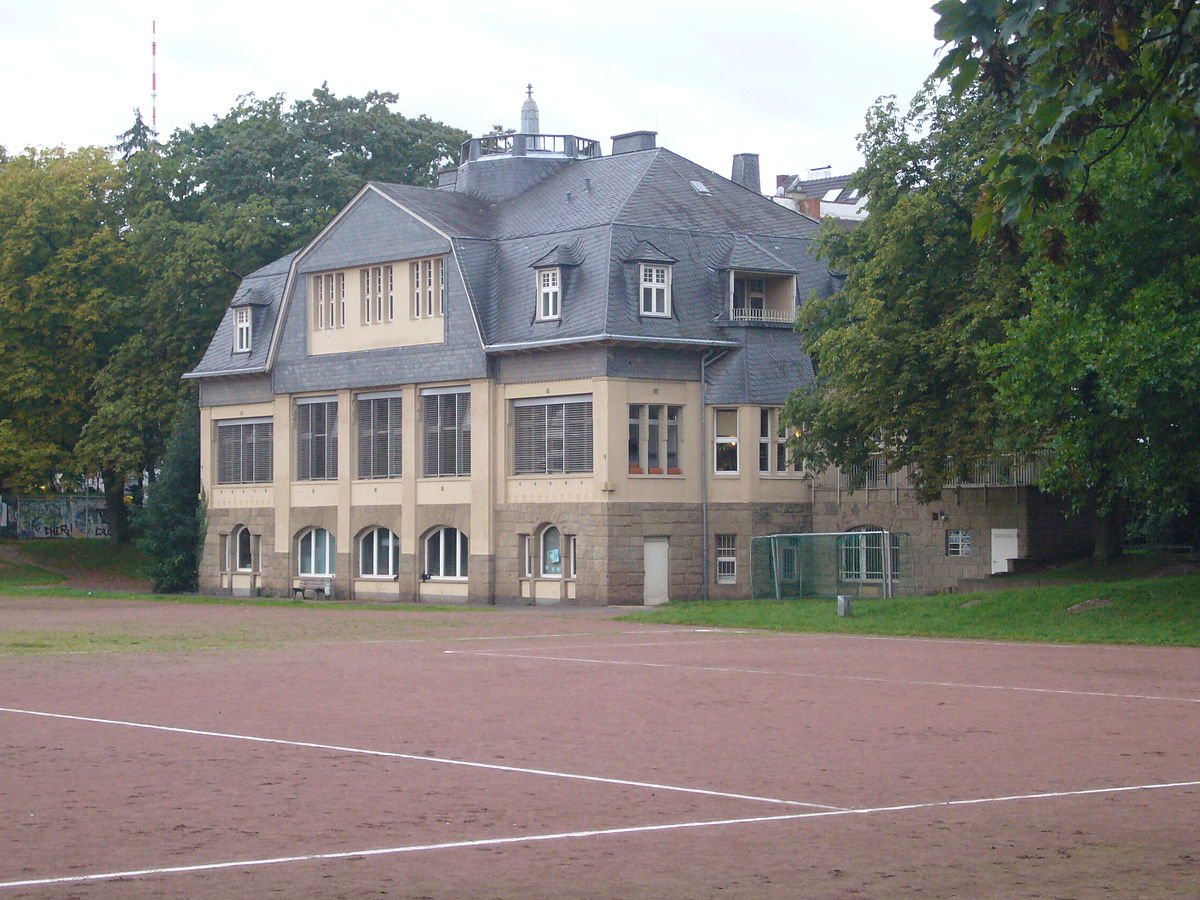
596, 218
262, 290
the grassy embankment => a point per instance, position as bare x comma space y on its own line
1121, 607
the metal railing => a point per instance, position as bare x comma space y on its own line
562, 145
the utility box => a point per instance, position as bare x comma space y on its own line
843, 605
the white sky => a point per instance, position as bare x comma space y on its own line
788, 79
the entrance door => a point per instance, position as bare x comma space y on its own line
657, 554
1004, 548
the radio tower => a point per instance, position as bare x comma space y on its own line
154, 78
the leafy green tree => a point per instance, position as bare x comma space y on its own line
1075, 78
172, 521
898, 368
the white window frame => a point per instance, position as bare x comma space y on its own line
442, 540
235, 547
369, 547
548, 567
958, 542
427, 279
328, 301
654, 290
319, 557
525, 547
376, 286
242, 329
726, 558
654, 436
722, 440
549, 294
773, 452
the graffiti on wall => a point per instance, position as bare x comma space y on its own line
62, 517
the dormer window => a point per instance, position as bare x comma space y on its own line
549, 294
656, 290
242, 332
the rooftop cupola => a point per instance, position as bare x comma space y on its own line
499, 166
529, 113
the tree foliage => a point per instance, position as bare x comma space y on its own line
115, 267
172, 521
899, 372
1076, 79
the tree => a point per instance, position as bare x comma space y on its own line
898, 367
1075, 78
172, 521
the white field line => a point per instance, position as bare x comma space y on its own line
388, 754
569, 835
821, 675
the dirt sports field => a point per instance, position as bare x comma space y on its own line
219, 751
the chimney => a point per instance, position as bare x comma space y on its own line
633, 141
745, 171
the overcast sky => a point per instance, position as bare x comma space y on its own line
788, 80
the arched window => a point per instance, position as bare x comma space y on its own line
316, 550
446, 554
243, 549
378, 554
550, 552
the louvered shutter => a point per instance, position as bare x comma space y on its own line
463, 426
228, 454
304, 440
577, 421
366, 429
432, 428
262, 465
395, 421
529, 440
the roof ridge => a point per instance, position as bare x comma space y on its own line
637, 182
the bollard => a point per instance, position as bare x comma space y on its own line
843, 605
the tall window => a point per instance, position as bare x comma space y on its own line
241, 330
549, 294
773, 453
725, 440
243, 549
329, 301
550, 555
446, 554
862, 557
379, 435
447, 424
378, 554
428, 281
316, 551
244, 451
654, 439
378, 301
726, 558
656, 290
316, 439
552, 436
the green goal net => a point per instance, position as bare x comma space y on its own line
850, 563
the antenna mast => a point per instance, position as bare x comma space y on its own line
154, 77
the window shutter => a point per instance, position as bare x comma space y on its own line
464, 434
395, 421
432, 428
366, 428
228, 456
577, 421
331, 440
529, 444
303, 441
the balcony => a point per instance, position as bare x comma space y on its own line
762, 297
749, 314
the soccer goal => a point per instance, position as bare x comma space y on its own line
851, 563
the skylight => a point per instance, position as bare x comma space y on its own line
701, 188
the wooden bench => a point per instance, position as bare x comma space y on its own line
322, 588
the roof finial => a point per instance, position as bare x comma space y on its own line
529, 113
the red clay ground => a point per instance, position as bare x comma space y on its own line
715, 764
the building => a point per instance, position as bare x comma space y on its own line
557, 378
821, 196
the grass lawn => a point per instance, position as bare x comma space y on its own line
1138, 611
104, 556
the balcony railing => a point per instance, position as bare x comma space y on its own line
746, 314
566, 146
